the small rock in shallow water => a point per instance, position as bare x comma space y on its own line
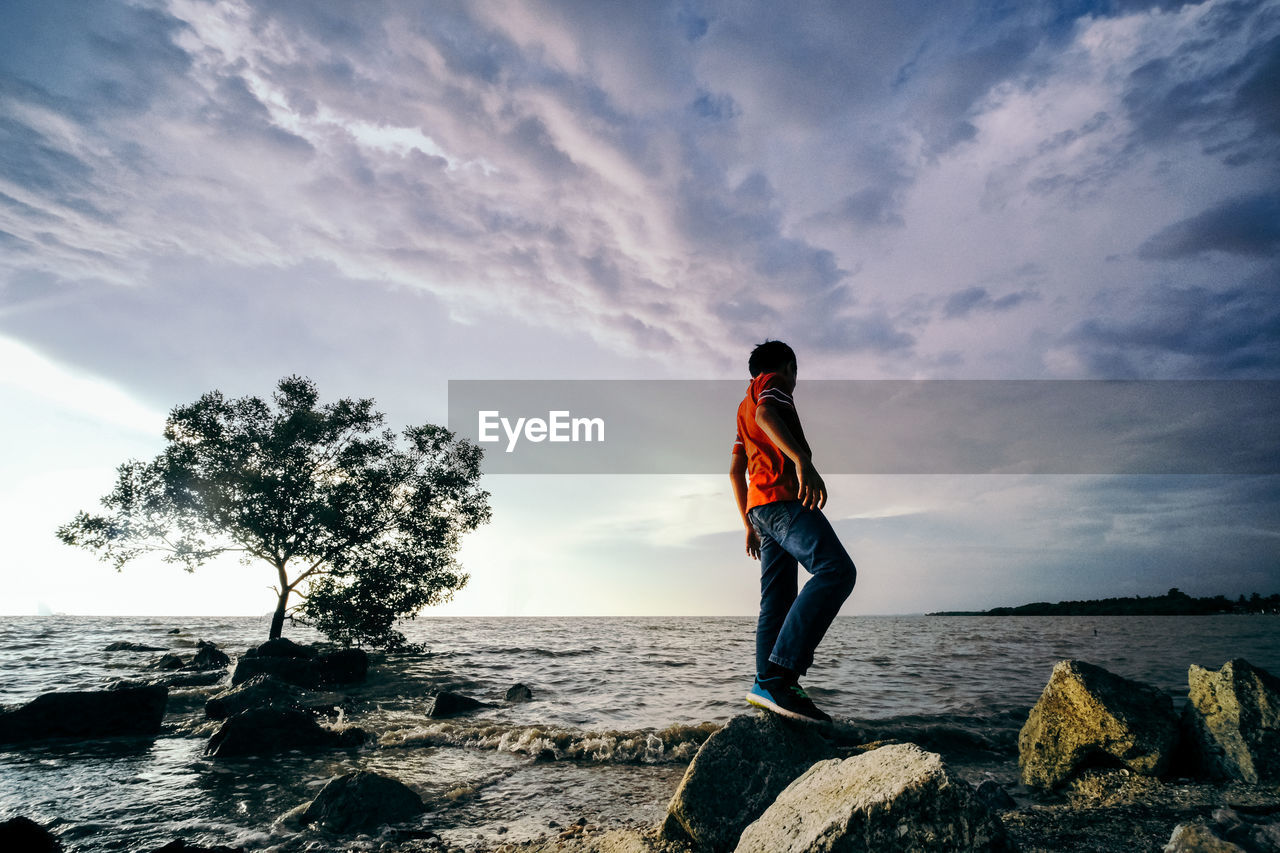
209, 656
447, 704
168, 662
519, 693
132, 647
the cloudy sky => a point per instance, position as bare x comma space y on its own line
385, 196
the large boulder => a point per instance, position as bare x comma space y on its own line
1233, 719
895, 798
86, 714
736, 774
1088, 717
1227, 831
265, 691
281, 647
361, 800
24, 834
345, 666
262, 731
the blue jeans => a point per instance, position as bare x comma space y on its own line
791, 626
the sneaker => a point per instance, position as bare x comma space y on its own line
789, 700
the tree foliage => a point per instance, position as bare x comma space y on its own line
361, 524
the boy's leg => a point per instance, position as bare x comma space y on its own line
811, 540
778, 583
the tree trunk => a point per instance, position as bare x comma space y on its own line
277, 620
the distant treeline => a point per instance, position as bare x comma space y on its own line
1175, 602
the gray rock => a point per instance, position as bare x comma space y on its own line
24, 834
736, 774
895, 798
1089, 717
262, 731
447, 704
519, 693
1233, 719
361, 800
86, 714
1198, 838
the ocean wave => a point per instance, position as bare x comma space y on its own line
674, 744
545, 653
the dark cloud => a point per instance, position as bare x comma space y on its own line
1248, 226
964, 302
1233, 111
1191, 332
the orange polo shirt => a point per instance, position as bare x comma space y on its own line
771, 476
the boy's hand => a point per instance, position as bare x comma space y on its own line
813, 491
753, 544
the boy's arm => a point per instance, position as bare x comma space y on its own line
738, 477
813, 491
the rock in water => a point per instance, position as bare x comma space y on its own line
519, 693
362, 800
261, 691
24, 834
1087, 717
261, 731
345, 666
736, 774
446, 704
895, 798
281, 647
209, 656
1233, 716
88, 713
168, 662
123, 646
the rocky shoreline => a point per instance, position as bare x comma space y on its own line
1099, 764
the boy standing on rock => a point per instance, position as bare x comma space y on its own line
780, 496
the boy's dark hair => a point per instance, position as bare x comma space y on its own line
770, 357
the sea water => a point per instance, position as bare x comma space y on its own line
620, 706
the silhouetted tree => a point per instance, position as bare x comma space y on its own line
363, 530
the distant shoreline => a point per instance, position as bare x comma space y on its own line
1173, 603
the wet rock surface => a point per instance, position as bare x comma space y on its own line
288, 663
262, 731
895, 798
447, 704
208, 656
265, 691
736, 775
1087, 717
86, 714
1233, 721
361, 800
